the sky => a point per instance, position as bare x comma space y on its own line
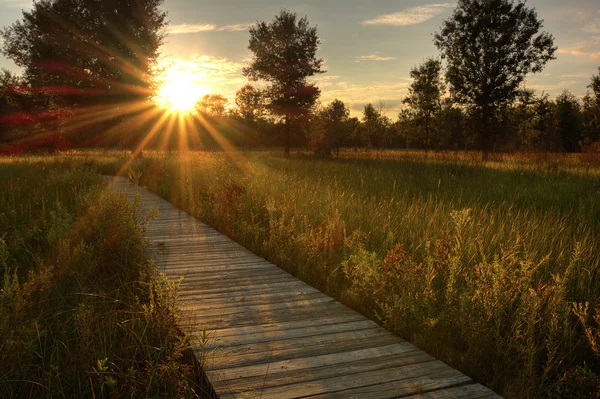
369, 47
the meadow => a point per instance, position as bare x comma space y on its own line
82, 311
492, 267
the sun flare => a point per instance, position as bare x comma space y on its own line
179, 91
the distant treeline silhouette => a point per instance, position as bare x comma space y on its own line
89, 81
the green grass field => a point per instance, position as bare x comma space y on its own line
492, 267
82, 313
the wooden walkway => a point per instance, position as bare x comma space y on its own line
273, 336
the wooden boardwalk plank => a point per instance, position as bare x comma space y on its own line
273, 336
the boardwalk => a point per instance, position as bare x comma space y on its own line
273, 336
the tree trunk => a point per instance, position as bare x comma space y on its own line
485, 149
426, 133
484, 132
288, 134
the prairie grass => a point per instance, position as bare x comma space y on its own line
82, 312
492, 267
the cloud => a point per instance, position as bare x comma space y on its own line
190, 28
373, 57
389, 105
580, 50
356, 95
590, 21
234, 28
218, 75
593, 27
326, 81
595, 56
575, 76
196, 28
553, 87
410, 16
586, 48
17, 3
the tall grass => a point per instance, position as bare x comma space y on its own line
82, 312
492, 267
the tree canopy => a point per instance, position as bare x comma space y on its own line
285, 55
335, 119
88, 52
490, 46
425, 92
213, 104
249, 102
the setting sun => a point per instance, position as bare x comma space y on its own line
180, 91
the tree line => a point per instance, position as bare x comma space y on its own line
89, 71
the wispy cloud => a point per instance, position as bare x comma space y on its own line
17, 3
234, 28
575, 76
587, 48
190, 28
553, 87
326, 81
356, 95
373, 57
410, 16
590, 21
578, 50
196, 28
595, 56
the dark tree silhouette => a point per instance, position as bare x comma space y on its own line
568, 121
595, 85
10, 86
490, 46
335, 117
523, 113
425, 92
370, 121
212, 104
88, 52
591, 112
249, 102
285, 56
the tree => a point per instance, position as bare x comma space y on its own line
212, 104
88, 52
335, 119
10, 90
249, 102
546, 135
370, 121
405, 126
425, 92
453, 133
595, 85
591, 112
568, 121
490, 46
524, 111
250, 107
285, 56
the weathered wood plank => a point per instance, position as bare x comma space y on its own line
314, 361
273, 336
314, 314
472, 391
266, 352
414, 374
293, 377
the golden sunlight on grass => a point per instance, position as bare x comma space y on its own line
180, 90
